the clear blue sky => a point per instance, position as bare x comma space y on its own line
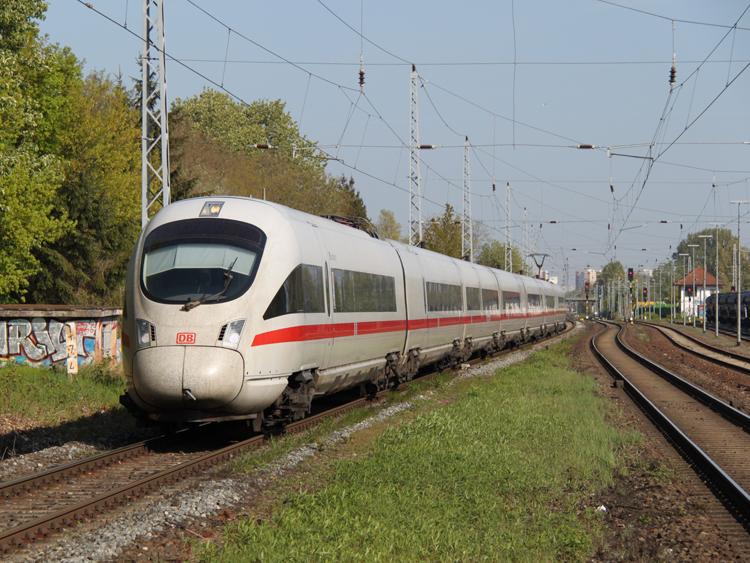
526, 81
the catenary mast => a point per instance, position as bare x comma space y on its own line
155, 191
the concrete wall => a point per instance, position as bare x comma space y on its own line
36, 335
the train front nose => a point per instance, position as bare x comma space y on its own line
194, 377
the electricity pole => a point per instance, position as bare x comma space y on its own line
739, 273
415, 195
467, 242
154, 130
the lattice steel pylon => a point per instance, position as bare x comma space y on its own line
415, 195
508, 243
154, 129
467, 238
525, 240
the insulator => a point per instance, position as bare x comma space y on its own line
361, 77
672, 75
494, 187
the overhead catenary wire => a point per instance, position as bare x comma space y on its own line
358, 106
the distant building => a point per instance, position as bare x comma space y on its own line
585, 276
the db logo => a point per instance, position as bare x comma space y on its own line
185, 338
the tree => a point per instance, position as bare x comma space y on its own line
493, 254
100, 192
611, 271
212, 154
238, 127
33, 77
726, 242
442, 233
349, 201
388, 227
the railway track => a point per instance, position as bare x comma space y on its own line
714, 354
713, 436
35, 506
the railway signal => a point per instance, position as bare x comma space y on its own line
630, 274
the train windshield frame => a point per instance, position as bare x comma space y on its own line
192, 260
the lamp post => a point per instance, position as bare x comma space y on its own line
717, 225
671, 296
704, 237
739, 271
684, 275
692, 305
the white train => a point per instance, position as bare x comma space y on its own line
237, 308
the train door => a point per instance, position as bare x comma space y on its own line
326, 325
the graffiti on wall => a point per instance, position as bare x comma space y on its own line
41, 341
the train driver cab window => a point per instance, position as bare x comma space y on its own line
302, 292
206, 260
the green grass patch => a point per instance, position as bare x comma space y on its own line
497, 474
47, 397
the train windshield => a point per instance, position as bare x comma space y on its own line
206, 260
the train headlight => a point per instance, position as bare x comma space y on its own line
146, 334
231, 333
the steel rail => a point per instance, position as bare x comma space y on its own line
718, 361
46, 478
733, 495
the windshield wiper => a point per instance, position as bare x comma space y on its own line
228, 277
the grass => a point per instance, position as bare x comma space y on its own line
46, 396
499, 472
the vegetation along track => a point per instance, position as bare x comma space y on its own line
714, 354
713, 436
35, 506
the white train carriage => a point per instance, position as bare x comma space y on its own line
239, 308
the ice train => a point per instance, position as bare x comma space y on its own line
238, 308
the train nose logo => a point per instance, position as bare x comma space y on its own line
185, 338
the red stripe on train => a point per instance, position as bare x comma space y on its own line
323, 331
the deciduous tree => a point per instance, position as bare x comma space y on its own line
32, 76
101, 193
442, 233
388, 227
493, 254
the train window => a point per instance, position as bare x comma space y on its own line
443, 297
302, 292
490, 300
360, 292
551, 306
189, 260
473, 299
535, 301
511, 301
